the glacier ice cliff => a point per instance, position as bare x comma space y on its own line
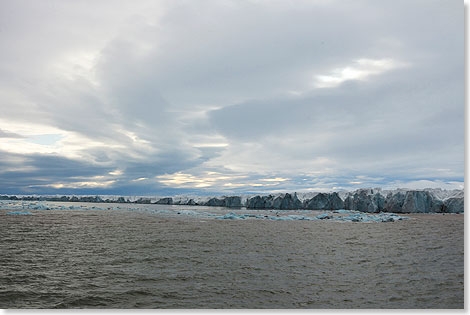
365, 200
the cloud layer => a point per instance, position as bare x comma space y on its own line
169, 97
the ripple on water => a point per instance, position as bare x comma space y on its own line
126, 259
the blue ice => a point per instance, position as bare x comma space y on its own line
323, 216
342, 211
301, 217
19, 213
286, 218
38, 206
231, 216
382, 217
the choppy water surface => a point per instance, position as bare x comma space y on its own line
139, 256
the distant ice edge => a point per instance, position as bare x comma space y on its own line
270, 215
365, 200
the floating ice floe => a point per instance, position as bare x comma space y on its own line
324, 216
272, 215
342, 211
232, 216
37, 206
188, 212
354, 217
19, 213
381, 217
301, 217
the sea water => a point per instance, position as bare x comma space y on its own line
83, 255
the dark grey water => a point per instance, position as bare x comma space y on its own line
138, 259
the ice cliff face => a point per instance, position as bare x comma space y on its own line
165, 201
413, 201
324, 201
453, 205
231, 201
367, 200
364, 200
285, 202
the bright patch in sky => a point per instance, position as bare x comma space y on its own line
361, 69
77, 65
45, 139
116, 173
83, 184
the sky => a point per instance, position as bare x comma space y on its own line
230, 97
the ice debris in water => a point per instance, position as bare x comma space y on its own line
188, 212
381, 217
231, 216
273, 215
300, 217
323, 216
177, 212
38, 206
19, 213
342, 211
234, 216
353, 217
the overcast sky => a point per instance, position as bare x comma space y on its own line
227, 97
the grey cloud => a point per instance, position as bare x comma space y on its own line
6, 134
389, 125
162, 74
19, 172
34, 173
